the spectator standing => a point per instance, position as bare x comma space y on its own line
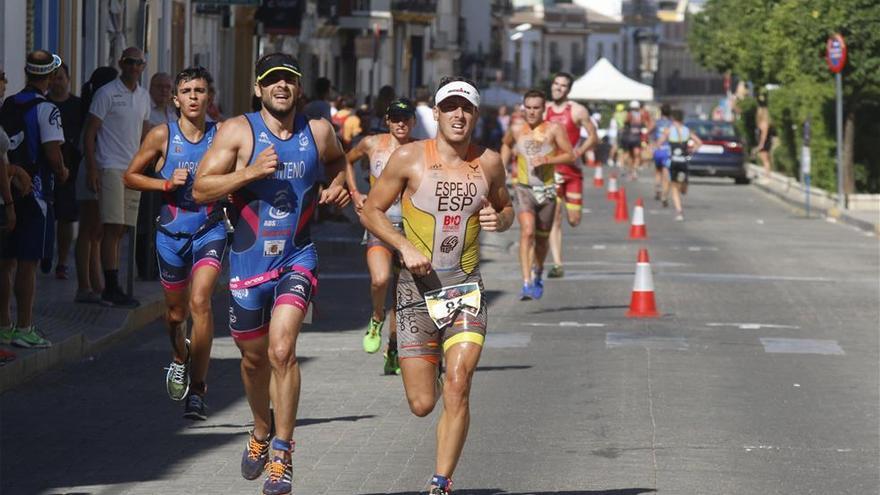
765, 137
66, 211
503, 118
8, 211
161, 107
118, 118
380, 105
88, 241
319, 107
3, 82
34, 126
426, 125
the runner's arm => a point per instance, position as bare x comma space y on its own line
384, 192
355, 154
222, 169
564, 153
52, 151
584, 120
332, 155
696, 139
664, 137
151, 149
497, 214
507, 147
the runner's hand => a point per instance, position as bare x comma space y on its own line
178, 178
490, 220
358, 199
265, 164
93, 180
415, 261
336, 195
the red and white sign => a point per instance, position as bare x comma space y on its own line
835, 53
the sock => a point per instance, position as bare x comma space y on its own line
111, 280
439, 481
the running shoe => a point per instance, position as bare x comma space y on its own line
538, 288
656, 195
61, 272
392, 363
665, 202
373, 336
29, 337
177, 377
117, 299
87, 296
526, 293
195, 408
440, 485
280, 469
679, 217
6, 356
254, 458
6, 335
556, 271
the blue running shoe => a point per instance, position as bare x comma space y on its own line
538, 288
440, 485
526, 294
195, 408
254, 458
280, 478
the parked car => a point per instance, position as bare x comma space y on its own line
721, 154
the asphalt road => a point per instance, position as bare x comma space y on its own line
760, 377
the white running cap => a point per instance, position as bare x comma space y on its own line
458, 88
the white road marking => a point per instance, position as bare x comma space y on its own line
751, 326
802, 346
830, 219
586, 210
615, 340
759, 221
565, 324
508, 340
599, 247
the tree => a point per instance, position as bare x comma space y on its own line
783, 42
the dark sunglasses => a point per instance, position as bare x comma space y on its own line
133, 61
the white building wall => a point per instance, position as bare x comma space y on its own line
13, 20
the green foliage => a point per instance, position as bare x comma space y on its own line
783, 42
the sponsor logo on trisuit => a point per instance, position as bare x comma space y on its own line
449, 244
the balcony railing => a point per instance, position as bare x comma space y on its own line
421, 6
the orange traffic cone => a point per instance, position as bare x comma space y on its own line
642, 303
620, 213
612, 188
637, 229
598, 181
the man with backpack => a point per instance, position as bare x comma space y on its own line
33, 124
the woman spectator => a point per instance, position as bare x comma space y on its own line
88, 242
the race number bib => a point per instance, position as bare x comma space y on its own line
444, 304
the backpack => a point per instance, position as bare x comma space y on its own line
12, 119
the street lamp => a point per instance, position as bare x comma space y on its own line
648, 49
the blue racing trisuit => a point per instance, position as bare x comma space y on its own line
273, 260
188, 236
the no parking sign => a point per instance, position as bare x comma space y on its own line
835, 52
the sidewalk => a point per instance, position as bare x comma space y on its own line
822, 203
79, 330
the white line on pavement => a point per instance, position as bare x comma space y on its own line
802, 346
751, 326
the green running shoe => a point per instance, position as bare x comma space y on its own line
177, 378
6, 335
373, 337
392, 363
556, 271
29, 337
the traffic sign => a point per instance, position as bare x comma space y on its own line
835, 52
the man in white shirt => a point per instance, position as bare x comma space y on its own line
117, 121
33, 124
161, 108
426, 126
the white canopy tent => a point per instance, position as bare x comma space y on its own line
495, 96
604, 82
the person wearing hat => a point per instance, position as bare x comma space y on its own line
449, 190
270, 161
400, 118
33, 124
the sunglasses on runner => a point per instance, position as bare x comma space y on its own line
133, 61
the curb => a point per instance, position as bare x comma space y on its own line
830, 212
76, 346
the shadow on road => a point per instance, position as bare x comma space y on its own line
580, 308
504, 368
496, 491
